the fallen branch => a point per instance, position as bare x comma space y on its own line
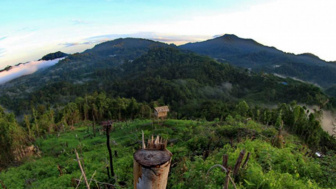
226, 183
92, 177
80, 180
246, 160
82, 170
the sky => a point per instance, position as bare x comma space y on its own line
31, 29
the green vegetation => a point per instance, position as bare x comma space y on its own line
11, 138
196, 146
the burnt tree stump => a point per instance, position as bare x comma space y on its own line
107, 125
151, 165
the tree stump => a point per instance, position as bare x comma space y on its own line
151, 165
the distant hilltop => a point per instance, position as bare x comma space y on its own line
52, 56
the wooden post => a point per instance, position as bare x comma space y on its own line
82, 170
108, 125
227, 178
108, 128
151, 165
238, 163
225, 160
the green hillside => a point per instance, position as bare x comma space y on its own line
195, 145
282, 143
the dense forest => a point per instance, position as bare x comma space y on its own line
178, 78
215, 109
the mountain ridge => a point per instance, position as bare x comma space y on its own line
248, 53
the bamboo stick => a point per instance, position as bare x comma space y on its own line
82, 170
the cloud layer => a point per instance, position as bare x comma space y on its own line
2, 51
166, 38
25, 69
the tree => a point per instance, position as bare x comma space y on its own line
11, 139
242, 108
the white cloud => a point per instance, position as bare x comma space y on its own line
25, 69
2, 51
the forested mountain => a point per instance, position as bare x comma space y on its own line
161, 72
248, 53
77, 74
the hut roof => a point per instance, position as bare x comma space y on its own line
162, 109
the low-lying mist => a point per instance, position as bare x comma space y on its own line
328, 121
26, 69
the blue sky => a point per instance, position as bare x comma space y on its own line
30, 29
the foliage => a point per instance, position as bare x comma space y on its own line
268, 166
12, 138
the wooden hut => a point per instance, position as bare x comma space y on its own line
161, 112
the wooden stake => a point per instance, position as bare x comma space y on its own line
151, 165
225, 160
109, 148
238, 163
82, 170
227, 178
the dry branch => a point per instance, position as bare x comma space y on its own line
246, 160
82, 170
92, 177
79, 181
226, 183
